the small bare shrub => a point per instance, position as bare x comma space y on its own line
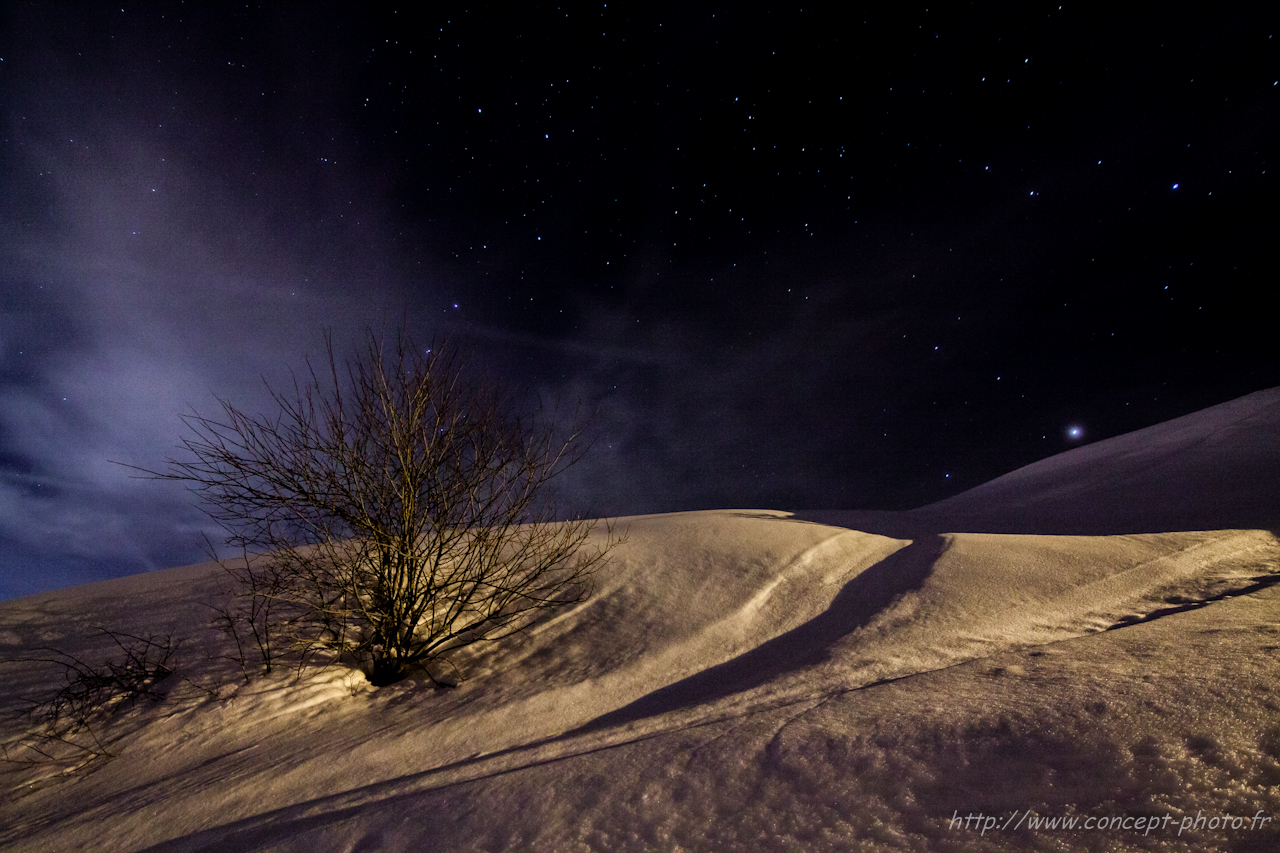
61, 728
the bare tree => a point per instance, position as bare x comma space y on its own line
390, 514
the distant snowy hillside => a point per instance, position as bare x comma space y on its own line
1213, 469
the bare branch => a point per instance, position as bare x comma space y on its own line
64, 727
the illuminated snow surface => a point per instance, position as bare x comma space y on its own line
757, 680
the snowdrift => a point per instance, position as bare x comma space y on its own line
754, 680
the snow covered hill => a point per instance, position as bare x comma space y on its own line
948, 679
1216, 468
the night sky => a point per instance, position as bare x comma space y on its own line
790, 258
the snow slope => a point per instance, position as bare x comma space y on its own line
1219, 467
747, 680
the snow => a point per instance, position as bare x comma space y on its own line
754, 680
1211, 469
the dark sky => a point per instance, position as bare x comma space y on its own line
793, 259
